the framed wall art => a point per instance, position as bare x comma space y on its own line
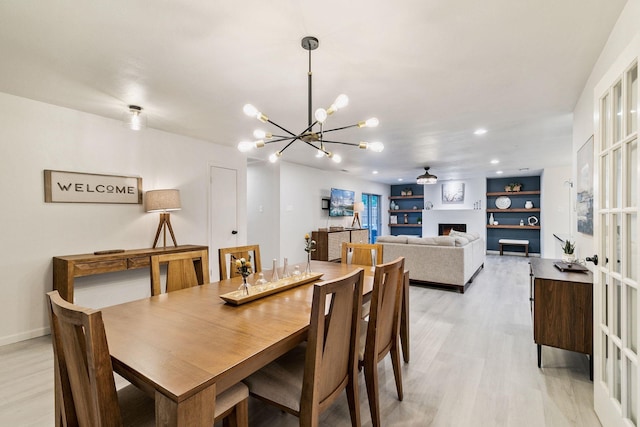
584, 188
78, 187
453, 192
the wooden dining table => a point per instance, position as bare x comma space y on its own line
184, 347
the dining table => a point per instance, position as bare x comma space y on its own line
186, 346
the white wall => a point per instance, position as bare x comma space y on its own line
557, 203
625, 32
35, 136
475, 190
299, 202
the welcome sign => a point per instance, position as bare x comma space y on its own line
77, 187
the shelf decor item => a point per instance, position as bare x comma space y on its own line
513, 187
528, 204
393, 219
532, 220
503, 202
491, 219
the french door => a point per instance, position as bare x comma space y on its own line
616, 237
371, 216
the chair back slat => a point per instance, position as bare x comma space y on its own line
227, 263
332, 346
361, 253
384, 317
184, 270
86, 393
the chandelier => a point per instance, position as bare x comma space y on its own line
426, 177
315, 138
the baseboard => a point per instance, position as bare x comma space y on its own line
34, 333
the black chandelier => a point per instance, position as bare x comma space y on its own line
315, 139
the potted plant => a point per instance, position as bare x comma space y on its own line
568, 248
514, 186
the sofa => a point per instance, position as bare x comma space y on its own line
451, 261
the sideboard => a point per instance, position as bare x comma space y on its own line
329, 243
562, 309
67, 268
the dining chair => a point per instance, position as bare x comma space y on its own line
85, 391
184, 270
380, 334
309, 378
361, 253
226, 260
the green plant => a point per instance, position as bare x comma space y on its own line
568, 247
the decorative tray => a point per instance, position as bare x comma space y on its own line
503, 202
259, 291
570, 266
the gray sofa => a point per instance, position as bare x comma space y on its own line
452, 260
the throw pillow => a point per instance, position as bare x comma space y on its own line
391, 239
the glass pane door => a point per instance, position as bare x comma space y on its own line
371, 216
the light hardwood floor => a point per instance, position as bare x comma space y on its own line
473, 363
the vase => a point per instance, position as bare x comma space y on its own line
274, 276
285, 269
528, 204
307, 270
491, 219
568, 258
245, 285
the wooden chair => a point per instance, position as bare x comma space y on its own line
380, 335
361, 253
227, 266
184, 270
85, 388
308, 379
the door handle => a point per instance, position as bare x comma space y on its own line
234, 232
593, 259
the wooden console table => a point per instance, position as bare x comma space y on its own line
67, 268
562, 309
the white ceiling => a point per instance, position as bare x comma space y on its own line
431, 71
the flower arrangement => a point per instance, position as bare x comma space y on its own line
243, 266
514, 186
310, 245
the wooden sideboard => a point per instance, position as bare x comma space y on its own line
562, 309
67, 268
329, 243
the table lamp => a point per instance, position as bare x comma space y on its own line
163, 201
357, 208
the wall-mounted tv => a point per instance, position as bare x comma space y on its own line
341, 203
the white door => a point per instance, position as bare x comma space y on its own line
616, 236
223, 217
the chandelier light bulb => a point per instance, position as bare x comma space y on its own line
371, 123
250, 110
376, 146
244, 146
261, 134
320, 153
321, 115
341, 101
336, 158
275, 156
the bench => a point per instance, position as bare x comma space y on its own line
514, 242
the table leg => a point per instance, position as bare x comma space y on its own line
404, 318
539, 356
198, 410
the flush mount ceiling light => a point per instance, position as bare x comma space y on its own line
134, 119
310, 136
427, 178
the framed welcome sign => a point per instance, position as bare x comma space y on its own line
77, 187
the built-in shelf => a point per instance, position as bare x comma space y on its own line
405, 225
418, 196
513, 193
523, 227
514, 210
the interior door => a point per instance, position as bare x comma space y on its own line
223, 214
616, 236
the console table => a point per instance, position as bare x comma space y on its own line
562, 308
67, 268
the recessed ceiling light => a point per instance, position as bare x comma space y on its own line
375, 172
480, 131
399, 179
499, 172
495, 161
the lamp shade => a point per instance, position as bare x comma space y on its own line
358, 207
162, 200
